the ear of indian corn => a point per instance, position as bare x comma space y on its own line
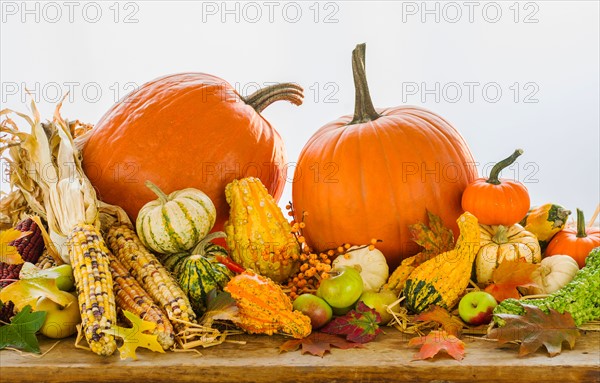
151, 274
93, 280
29, 247
131, 296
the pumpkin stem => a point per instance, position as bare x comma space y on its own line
501, 235
364, 111
200, 248
156, 190
580, 224
264, 97
495, 173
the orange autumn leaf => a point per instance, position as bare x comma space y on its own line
435, 342
318, 343
508, 276
435, 238
8, 253
450, 323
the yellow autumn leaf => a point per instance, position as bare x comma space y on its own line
27, 291
8, 253
135, 336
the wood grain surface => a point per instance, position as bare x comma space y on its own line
388, 359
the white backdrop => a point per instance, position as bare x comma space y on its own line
506, 74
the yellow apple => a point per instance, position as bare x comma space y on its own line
61, 321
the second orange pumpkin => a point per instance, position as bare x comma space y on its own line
372, 174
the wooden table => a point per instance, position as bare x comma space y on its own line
388, 359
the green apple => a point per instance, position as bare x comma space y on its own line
61, 321
315, 308
476, 307
342, 289
63, 275
338, 312
380, 302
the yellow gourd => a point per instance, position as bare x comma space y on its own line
442, 279
258, 235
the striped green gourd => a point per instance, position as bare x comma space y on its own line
199, 273
176, 222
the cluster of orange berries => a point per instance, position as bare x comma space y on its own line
313, 267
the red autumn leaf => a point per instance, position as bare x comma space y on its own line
508, 276
359, 325
535, 328
435, 238
450, 323
318, 344
435, 342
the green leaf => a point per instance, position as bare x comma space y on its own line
20, 333
359, 325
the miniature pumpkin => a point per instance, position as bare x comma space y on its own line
186, 130
496, 201
372, 174
264, 308
575, 242
259, 237
553, 274
500, 243
371, 265
175, 222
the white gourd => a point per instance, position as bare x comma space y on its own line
554, 273
371, 264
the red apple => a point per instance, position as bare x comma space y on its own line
380, 302
315, 308
342, 289
476, 307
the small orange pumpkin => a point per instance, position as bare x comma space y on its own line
576, 242
497, 201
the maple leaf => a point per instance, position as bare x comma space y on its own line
535, 328
20, 332
318, 344
435, 238
135, 336
435, 342
450, 323
8, 253
508, 276
359, 325
26, 292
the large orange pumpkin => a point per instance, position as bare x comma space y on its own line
372, 174
186, 130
